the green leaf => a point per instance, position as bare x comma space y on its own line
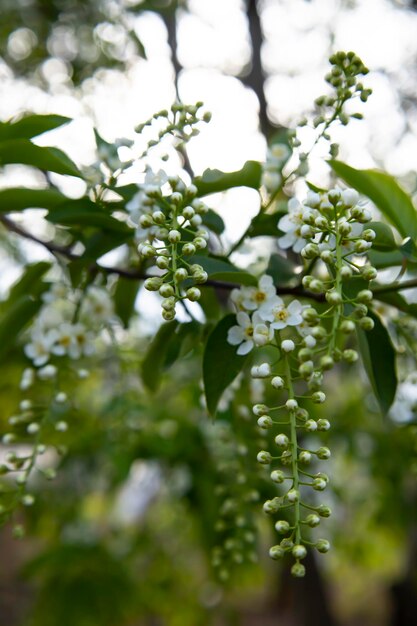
84, 212
18, 199
224, 271
381, 260
265, 224
221, 363
213, 181
214, 222
384, 240
155, 357
31, 126
102, 242
28, 283
378, 356
393, 298
385, 192
14, 320
281, 269
125, 298
49, 159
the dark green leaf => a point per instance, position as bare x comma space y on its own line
381, 260
409, 250
393, 298
214, 222
155, 357
48, 159
28, 283
384, 240
125, 298
31, 126
85, 213
18, 199
14, 320
218, 269
378, 356
265, 224
385, 192
102, 242
213, 181
281, 269
221, 363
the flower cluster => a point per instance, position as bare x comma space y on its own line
66, 327
329, 232
172, 217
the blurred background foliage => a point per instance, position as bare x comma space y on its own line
125, 534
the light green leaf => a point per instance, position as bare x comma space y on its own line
29, 282
125, 298
378, 356
385, 192
213, 181
83, 212
221, 363
384, 240
265, 224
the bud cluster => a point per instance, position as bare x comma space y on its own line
173, 222
180, 122
330, 232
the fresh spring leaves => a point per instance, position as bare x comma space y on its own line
378, 356
214, 181
221, 363
385, 192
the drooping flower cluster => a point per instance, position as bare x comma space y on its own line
276, 157
328, 231
172, 217
66, 328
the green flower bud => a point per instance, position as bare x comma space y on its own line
180, 275
145, 221
282, 441
304, 457
305, 354
162, 262
366, 323
324, 511
350, 356
271, 506
263, 457
360, 310
365, 296
293, 495
265, 422
188, 249
323, 545
298, 570
147, 251
287, 544
282, 527
200, 243
299, 551
326, 362
277, 476
158, 217
193, 294
168, 303
323, 424
188, 212
276, 553
310, 315
333, 297
311, 426
318, 397
369, 273
200, 277
260, 409
306, 369
312, 520
323, 453
174, 236
168, 315
319, 333
369, 234
319, 484
166, 290
277, 382
345, 272
153, 283
310, 251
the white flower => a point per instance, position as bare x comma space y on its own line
27, 379
248, 333
253, 297
277, 154
350, 197
280, 315
288, 345
39, 348
291, 224
97, 305
47, 372
271, 180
